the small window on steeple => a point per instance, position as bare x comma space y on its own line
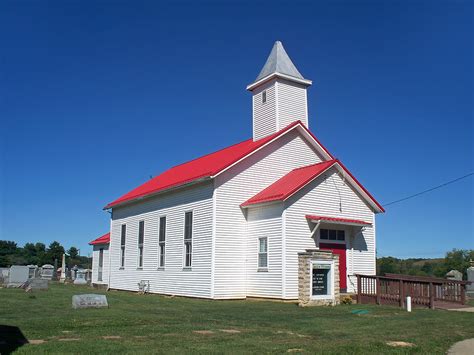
264, 96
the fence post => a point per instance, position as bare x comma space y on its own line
431, 295
401, 293
463, 294
377, 289
359, 290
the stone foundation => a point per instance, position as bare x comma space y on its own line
306, 260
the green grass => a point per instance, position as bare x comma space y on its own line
151, 323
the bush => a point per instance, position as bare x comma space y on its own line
346, 300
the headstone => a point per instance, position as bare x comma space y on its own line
63, 270
454, 275
37, 284
470, 277
80, 277
47, 272
88, 275
18, 275
89, 301
4, 274
33, 270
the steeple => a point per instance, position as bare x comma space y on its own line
279, 94
279, 62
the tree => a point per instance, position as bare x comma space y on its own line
8, 249
73, 252
55, 251
456, 259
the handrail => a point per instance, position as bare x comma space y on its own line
422, 279
426, 278
394, 288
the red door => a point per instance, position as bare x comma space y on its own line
339, 249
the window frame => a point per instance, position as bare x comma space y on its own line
333, 241
123, 242
262, 268
141, 248
188, 241
264, 97
162, 243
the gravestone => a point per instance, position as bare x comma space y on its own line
47, 272
4, 274
470, 277
91, 300
33, 271
80, 277
18, 275
454, 275
37, 284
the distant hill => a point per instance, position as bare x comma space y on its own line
457, 259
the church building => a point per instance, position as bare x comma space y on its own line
234, 223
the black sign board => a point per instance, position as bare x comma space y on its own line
320, 280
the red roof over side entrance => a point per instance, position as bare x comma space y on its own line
105, 239
337, 220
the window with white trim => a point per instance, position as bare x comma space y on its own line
264, 96
123, 234
332, 234
141, 235
188, 238
162, 241
262, 253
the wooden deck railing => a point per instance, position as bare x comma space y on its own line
394, 288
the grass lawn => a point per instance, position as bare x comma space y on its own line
151, 323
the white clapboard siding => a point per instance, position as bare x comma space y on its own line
105, 264
264, 222
291, 101
328, 195
173, 279
234, 187
264, 113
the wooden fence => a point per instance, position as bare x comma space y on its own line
394, 288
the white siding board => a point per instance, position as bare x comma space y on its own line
292, 105
328, 195
264, 113
173, 279
235, 186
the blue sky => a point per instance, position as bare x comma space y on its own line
97, 96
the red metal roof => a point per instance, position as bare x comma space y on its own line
287, 185
337, 219
105, 239
201, 168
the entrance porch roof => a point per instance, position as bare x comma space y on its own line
337, 220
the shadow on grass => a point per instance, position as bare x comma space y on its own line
11, 338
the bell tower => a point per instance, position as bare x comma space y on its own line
278, 94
